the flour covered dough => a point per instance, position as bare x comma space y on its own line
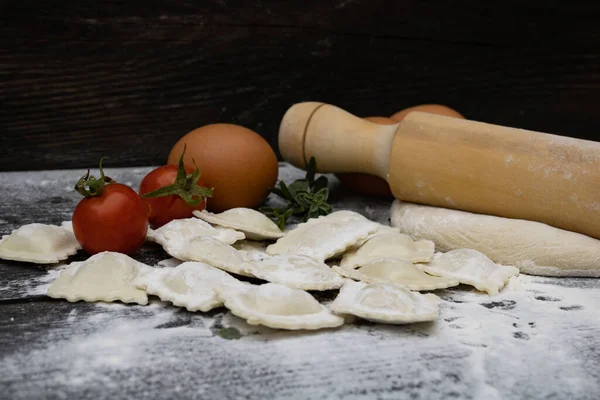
106, 276
387, 303
189, 228
326, 236
297, 271
39, 243
393, 270
254, 224
535, 248
390, 245
276, 306
381, 230
471, 267
213, 252
190, 285
252, 250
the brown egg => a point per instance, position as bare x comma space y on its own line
430, 108
381, 120
366, 184
237, 162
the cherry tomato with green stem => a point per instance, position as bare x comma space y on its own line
173, 192
110, 217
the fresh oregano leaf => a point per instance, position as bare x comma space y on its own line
230, 333
306, 198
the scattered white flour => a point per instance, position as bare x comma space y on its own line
34, 286
489, 346
123, 338
538, 338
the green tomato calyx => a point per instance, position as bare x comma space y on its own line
89, 186
185, 186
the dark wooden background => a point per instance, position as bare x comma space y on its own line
84, 79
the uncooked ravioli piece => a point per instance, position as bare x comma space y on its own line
326, 236
390, 245
276, 306
252, 250
106, 276
472, 268
381, 229
68, 225
254, 224
297, 271
188, 228
39, 243
213, 252
533, 247
388, 303
395, 271
190, 285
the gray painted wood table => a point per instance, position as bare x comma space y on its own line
538, 339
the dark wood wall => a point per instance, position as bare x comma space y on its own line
84, 79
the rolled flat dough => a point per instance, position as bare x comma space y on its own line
533, 247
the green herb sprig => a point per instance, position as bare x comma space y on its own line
230, 333
306, 198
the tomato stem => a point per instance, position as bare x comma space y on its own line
95, 187
185, 186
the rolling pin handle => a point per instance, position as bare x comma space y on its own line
292, 132
339, 141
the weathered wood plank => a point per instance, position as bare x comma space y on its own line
127, 81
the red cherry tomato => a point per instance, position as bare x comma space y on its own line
114, 220
173, 192
167, 208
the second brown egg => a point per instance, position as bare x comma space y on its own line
428, 108
371, 185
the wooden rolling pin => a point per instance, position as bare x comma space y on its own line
455, 163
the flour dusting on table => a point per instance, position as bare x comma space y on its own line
538, 338
481, 344
37, 285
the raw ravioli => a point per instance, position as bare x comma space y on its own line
254, 224
106, 276
214, 252
253, 251
388, 303
472, 268
39, 243
326, 236
381, 229
277, 306
68, 225
188, 228
394, 270
390, 245
298, 272
190, 285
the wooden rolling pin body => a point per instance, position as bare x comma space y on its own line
455, 163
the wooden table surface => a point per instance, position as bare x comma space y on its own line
79, 79
539, 338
